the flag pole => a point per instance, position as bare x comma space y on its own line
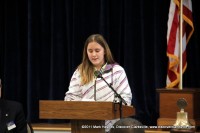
181, 45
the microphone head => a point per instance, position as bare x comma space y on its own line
97, 73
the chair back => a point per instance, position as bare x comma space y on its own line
29, 128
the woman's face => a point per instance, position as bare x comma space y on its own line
95, 54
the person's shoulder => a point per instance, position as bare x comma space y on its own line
117, 67
12, 103
77, 73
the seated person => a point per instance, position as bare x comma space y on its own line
127, 125
12, 118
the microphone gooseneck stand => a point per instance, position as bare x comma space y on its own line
121, 100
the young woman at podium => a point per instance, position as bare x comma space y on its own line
88, 82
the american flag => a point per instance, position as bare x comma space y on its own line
173, 46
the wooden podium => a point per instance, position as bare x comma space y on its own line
86, 117
168, 105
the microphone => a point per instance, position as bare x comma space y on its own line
97, 74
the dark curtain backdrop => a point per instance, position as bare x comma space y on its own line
41, 44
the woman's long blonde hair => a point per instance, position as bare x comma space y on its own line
86, 68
